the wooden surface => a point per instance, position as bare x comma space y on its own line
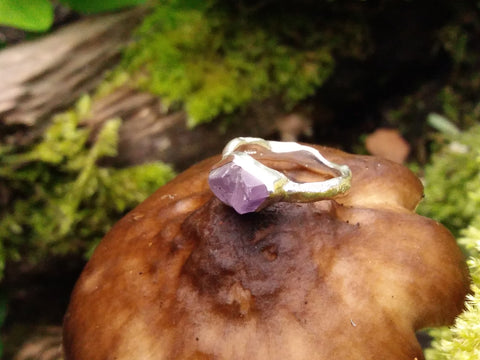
150, 133
42, 77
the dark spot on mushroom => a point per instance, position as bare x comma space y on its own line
270, 252
269, 263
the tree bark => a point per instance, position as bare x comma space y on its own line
150, 133
44, 76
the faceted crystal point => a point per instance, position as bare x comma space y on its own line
238, 188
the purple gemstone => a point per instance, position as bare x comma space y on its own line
238, 188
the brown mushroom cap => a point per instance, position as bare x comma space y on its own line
183, 276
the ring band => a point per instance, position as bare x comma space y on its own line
248, 186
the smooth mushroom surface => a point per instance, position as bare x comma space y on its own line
183, 276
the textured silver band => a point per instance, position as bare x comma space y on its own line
279, 186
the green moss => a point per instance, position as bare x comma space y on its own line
212, 60
462, 341
452, 181
63, 200
453, 197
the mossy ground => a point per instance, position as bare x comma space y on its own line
64, 200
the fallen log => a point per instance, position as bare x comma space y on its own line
41, 77
45, 76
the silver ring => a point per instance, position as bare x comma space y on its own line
248, 186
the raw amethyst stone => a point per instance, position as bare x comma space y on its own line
238, 188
